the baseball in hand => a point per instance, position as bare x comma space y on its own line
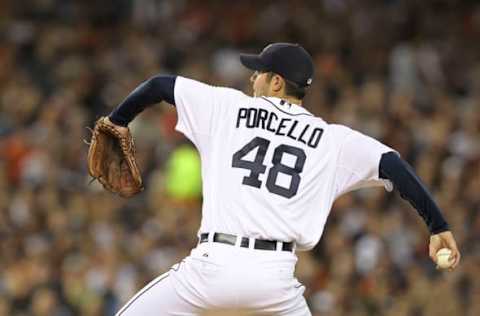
443, 258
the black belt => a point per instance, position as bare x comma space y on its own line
258, 243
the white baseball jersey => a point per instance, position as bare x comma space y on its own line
270, 169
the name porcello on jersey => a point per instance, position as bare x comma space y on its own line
269, 121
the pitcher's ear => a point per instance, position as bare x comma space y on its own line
277, 83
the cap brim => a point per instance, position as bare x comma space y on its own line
253, 62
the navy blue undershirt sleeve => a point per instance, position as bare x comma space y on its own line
154, 90
410, 187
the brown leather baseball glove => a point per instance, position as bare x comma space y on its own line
111, 159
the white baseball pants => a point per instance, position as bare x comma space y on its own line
219, 276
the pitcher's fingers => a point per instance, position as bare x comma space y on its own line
457, 256
455, 252
456, 260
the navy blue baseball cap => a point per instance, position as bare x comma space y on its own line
291, 61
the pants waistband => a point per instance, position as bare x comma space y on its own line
247, 242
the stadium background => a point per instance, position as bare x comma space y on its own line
406, 72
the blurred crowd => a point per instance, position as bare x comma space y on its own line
406, 72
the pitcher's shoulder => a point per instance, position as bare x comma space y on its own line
340, 129
195, 86
338, 132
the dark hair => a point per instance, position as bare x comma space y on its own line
290, 88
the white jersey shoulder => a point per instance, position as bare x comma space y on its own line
271, 169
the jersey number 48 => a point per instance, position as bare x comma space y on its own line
257, 167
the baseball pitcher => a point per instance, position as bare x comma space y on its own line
271, 171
